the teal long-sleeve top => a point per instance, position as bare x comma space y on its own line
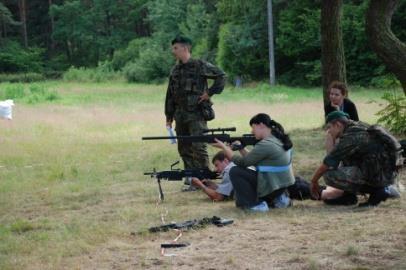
268, 152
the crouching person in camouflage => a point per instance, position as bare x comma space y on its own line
188, 100
364, 160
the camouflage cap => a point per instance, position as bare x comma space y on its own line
182, 39
336, 115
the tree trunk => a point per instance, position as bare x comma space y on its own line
385, 44
332, 48
52, 25
23, 17
272, 79
109, 27
2, 23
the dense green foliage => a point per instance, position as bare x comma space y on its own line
393, 115
15, 58
133, 38
241, 38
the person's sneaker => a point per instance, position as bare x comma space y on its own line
261, 207
187, 181
282, 201
375, 198
392, 191
345, 199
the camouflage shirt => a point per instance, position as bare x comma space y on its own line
187, 82
358, 148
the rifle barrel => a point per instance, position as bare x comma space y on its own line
159, 138
196, 138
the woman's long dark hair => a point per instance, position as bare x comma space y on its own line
276, 128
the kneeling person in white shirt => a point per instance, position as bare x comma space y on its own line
224, 190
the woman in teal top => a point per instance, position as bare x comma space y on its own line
271, 156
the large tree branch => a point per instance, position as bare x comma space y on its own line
385, 44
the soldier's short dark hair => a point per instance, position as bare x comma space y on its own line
183, 40
220, 156
343, 121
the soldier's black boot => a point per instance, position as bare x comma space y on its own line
376, 196
345, 199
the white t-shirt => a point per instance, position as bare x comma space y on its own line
226, 187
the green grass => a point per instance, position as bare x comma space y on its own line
112, 93
72, 188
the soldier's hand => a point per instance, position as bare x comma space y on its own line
203, 97
236, 145
314, 190
169, 123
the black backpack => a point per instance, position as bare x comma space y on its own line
403, 144
384, 165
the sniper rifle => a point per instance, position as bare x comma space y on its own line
209, 136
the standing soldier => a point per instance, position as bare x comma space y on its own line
188, 100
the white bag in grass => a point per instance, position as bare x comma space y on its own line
6, 109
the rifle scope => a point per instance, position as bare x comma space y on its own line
219, 129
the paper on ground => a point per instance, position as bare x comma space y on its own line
6, 109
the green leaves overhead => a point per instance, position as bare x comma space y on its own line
134, 36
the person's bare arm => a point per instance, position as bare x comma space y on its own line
314, 186
330, 142
209, 184
213, 194
226, 149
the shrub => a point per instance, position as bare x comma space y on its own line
122, 57
152, 65
393, 116
385, 81
102, 73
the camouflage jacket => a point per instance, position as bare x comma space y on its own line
187, 82
358, 148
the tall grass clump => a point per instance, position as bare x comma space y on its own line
31, 93
39, 93
13, 91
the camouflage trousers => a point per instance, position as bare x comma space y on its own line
194, 155
345, 178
